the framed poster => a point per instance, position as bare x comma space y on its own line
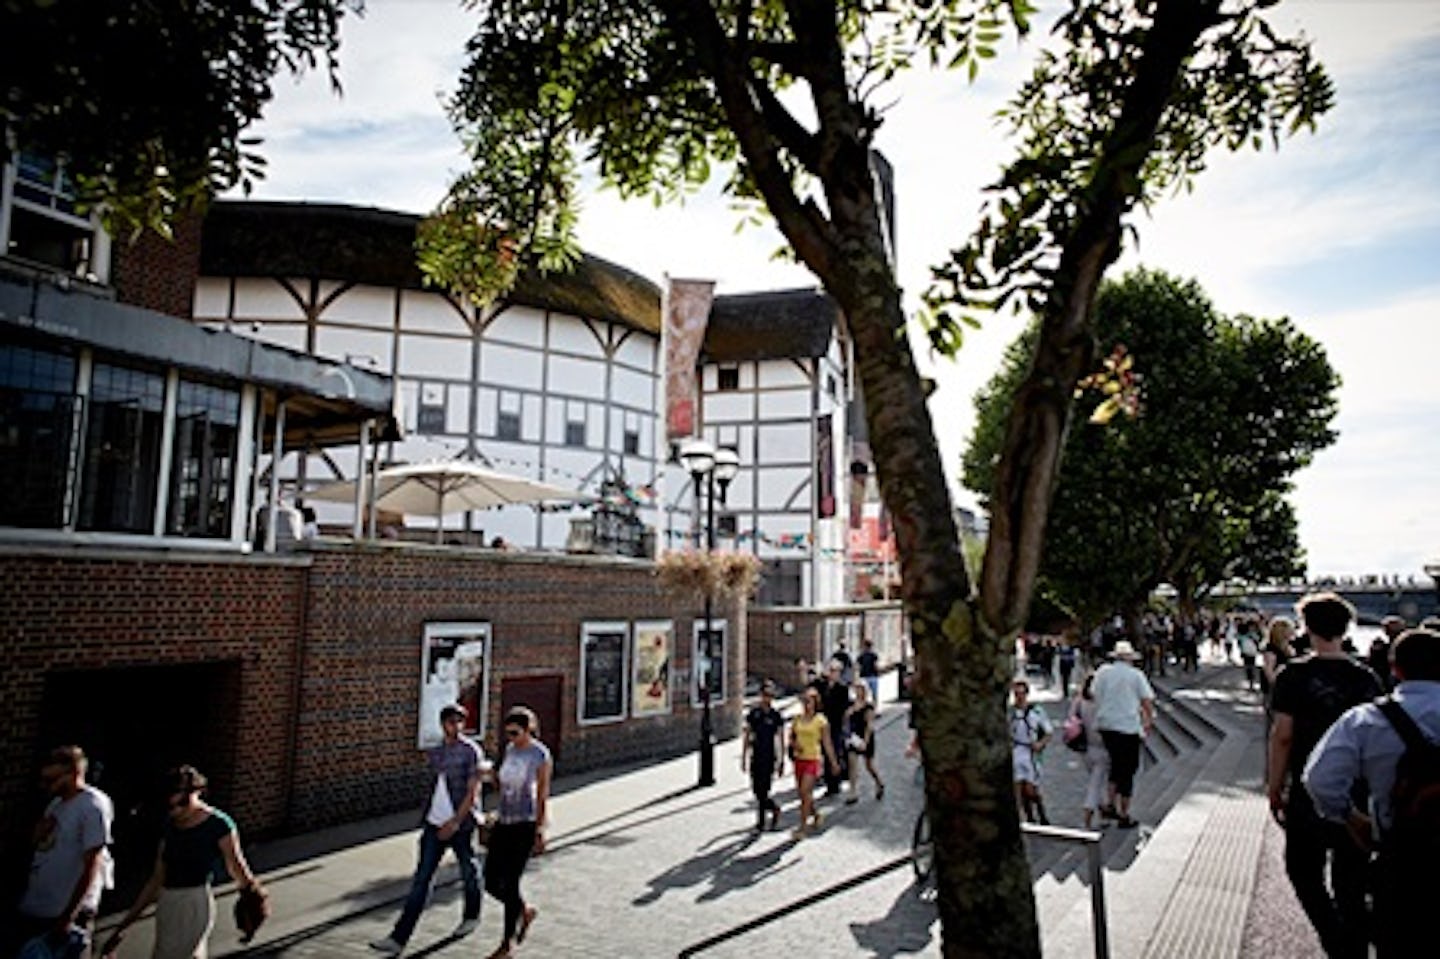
454, 668
650, 665
710, 669
603, 671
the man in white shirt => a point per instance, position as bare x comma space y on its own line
1124, 711
71, 864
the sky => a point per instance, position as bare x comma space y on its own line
1339, 231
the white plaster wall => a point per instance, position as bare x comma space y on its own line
784, 404
370, 306
430, 356
510, 366
631, 388
639, 350
577, 377
787, 443
342, 343
266, 299
570, 335
422, 312
774, 373
786, 488
518, 325
729, 407
212, 298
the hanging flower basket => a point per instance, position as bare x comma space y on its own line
692, 572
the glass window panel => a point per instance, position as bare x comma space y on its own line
122, 449
38, 410
202, 465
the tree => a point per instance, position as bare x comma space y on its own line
1192, 491
148, 103
786, 94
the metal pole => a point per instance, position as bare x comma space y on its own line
707, 740
1097, 902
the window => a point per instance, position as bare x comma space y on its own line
710, 660
122, 449
602, 671
45, 225
430, 417
38, 417
727, 525
202, 469
574, 433
728, 379
507, 418
632, 442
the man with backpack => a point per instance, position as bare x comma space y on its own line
1311, 693
1393, 746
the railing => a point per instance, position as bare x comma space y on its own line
1091, 840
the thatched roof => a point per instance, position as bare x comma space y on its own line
367, 245
777, 324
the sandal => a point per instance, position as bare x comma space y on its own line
880, 791
527, 917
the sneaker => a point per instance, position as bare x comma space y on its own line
388, 946
880, 791
852, 799
466, 927
800, 832
1125, 822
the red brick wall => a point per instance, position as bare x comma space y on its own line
157, 273
350, 620
772, 650
84, 612
362, 665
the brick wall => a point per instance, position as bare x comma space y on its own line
777, 635
70, 613
157, 273
339, 627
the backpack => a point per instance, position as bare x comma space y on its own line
1415, 799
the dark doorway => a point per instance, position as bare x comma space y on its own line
134, 724
545, 695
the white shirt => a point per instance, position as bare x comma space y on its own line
442, 810
1119, 689
71, 828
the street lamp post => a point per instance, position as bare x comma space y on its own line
712, 467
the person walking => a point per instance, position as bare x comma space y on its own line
809, 742
196, 836
860, 742
1249, 643
1096, 759
1368, 744
519, 830
834, 703
762, 754
454, 770
1124, 713
1030, 732
1279, 650
1067, 666
71, 862
868, 665
1310, 694
1378, 655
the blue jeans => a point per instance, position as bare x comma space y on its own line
432, 848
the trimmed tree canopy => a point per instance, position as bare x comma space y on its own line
1192, 491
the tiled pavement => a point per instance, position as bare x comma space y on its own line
641, 864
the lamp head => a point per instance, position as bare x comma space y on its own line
727, 464
698, 456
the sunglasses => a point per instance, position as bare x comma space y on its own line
512, 733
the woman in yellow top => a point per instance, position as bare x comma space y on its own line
809, 739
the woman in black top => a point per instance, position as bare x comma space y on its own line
860, 741
197, 837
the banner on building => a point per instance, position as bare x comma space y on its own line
825, 466
686, 313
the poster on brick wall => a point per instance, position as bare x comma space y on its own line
710, 669
650, 684
454, 666
602, 671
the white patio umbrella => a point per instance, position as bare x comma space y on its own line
438, 488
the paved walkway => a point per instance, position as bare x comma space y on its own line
642, 864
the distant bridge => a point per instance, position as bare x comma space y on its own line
1372, 601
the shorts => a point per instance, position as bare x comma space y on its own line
807, 767
1026, 769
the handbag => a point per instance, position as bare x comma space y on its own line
1073, 733
856, 742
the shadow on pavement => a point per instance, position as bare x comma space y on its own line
897, 933
725, 868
